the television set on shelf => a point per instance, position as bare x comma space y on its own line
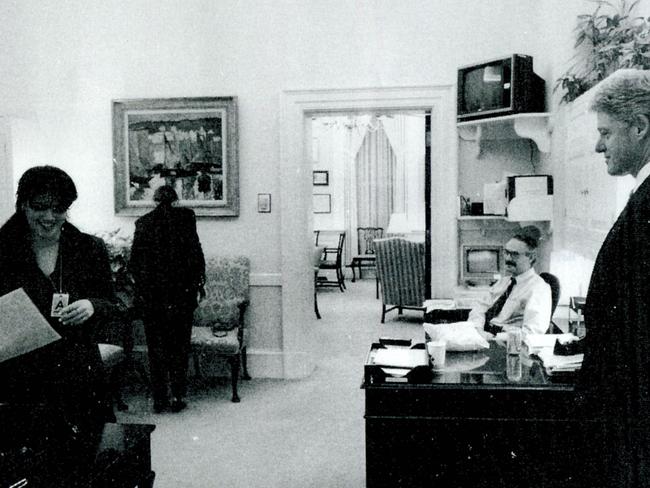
499, 87
480, 265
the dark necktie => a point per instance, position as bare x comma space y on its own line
496, 307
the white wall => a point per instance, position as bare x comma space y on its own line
63, 63
331, 154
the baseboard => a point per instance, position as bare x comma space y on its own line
265, 363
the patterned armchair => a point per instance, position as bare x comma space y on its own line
219, 325
401, 270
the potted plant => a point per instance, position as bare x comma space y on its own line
119, 251
605, 43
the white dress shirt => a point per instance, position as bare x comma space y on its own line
528, 306
641, 176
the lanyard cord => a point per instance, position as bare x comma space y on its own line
60, 268
60, 261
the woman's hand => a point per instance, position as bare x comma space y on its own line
77, 312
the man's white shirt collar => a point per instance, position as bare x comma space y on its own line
526, 275
641, 176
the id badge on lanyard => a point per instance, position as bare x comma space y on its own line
59, 300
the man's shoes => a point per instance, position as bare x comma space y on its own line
160, 406
178, 405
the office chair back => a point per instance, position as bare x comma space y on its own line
554, 283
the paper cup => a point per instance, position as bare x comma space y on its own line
437, 352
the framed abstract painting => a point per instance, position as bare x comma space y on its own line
188, 143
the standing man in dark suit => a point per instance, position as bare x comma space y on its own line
615, 376
168, 268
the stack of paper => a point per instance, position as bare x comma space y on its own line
401, 357
537, 342
559, 364
398, 361
439, 304
22, 327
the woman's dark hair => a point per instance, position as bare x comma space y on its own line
46, 180
529, 235
165, 194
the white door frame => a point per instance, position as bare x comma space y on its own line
296, 199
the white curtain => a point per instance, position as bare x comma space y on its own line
376, 164
356, 137
406, 135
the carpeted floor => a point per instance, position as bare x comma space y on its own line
302, 433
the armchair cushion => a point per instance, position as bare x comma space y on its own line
224, 342
222, 315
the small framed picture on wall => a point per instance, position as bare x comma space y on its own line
264, 202
322, 203
321, 178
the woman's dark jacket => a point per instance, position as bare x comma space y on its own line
67, 374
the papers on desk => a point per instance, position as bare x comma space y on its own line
401, 357
542, 346
537, 342
559, 364
22, 327
439, 304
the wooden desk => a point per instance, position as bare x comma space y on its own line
38, 450
469, 426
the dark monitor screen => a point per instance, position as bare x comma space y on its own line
486, 88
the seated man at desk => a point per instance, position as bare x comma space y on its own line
520, 299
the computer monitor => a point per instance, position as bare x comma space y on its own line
480, 264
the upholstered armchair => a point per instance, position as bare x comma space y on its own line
219, 325
401, 271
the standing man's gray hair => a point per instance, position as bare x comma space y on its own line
624, 95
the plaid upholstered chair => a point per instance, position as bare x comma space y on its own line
219, 326
401, 270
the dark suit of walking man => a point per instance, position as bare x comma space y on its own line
168, 267
615, 377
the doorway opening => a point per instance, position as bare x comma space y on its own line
296, 190
369, 176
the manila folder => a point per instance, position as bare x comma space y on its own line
22, 327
